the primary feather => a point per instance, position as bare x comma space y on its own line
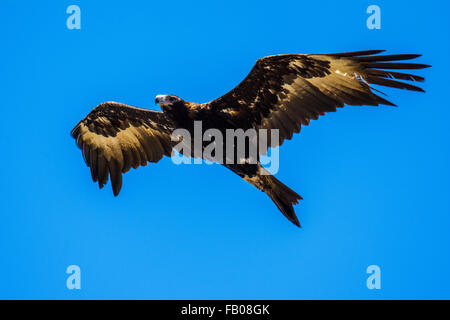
287, 91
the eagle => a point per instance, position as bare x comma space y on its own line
281, 93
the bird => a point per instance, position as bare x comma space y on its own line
282, 93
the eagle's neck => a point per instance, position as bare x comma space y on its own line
179, 113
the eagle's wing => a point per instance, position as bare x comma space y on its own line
115, 137
286, 91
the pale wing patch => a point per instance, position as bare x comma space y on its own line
229, 111
130, 147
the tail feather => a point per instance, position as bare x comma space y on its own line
284, 197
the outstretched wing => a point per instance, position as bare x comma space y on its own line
286, 91
115, 137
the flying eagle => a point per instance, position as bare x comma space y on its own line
282, 92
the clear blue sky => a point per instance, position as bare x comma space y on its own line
375, 181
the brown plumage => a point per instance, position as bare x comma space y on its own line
115, 137
282, 92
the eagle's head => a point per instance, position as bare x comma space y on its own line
174, 107
167, 100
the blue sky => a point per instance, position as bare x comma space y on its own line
375, 181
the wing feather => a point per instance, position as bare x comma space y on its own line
285, 92
115, 137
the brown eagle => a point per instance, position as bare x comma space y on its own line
281, 92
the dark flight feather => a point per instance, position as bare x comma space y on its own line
303, 87
115, 137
